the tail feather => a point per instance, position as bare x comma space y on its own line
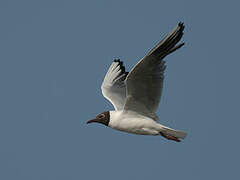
175, 133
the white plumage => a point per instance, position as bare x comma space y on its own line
136, 95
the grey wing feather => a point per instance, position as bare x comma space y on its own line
145, 81
113, 86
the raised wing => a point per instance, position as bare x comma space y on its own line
113, 86
145, 81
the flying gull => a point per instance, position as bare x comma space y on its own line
136, 95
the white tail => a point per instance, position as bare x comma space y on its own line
173, 132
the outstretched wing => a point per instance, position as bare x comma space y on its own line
145, 81
113, 86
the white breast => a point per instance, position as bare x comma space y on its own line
132, 123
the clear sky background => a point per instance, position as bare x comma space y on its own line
53, 57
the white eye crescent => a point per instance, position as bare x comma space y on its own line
101, 116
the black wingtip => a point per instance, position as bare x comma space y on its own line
120, 63
176, 47
180, 24
180, 45
116, 60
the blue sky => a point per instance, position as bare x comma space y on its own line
54, 55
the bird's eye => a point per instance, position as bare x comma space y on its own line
101, 116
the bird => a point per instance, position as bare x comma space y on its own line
136, 94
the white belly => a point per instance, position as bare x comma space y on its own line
135, 125
138, 124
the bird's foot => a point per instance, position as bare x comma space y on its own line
173, 138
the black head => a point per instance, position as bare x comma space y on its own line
102, 118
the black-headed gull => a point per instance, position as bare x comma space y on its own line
136, 95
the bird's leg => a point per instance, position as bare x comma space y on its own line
173, 138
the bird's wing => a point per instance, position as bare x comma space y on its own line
145, 81
113, 86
